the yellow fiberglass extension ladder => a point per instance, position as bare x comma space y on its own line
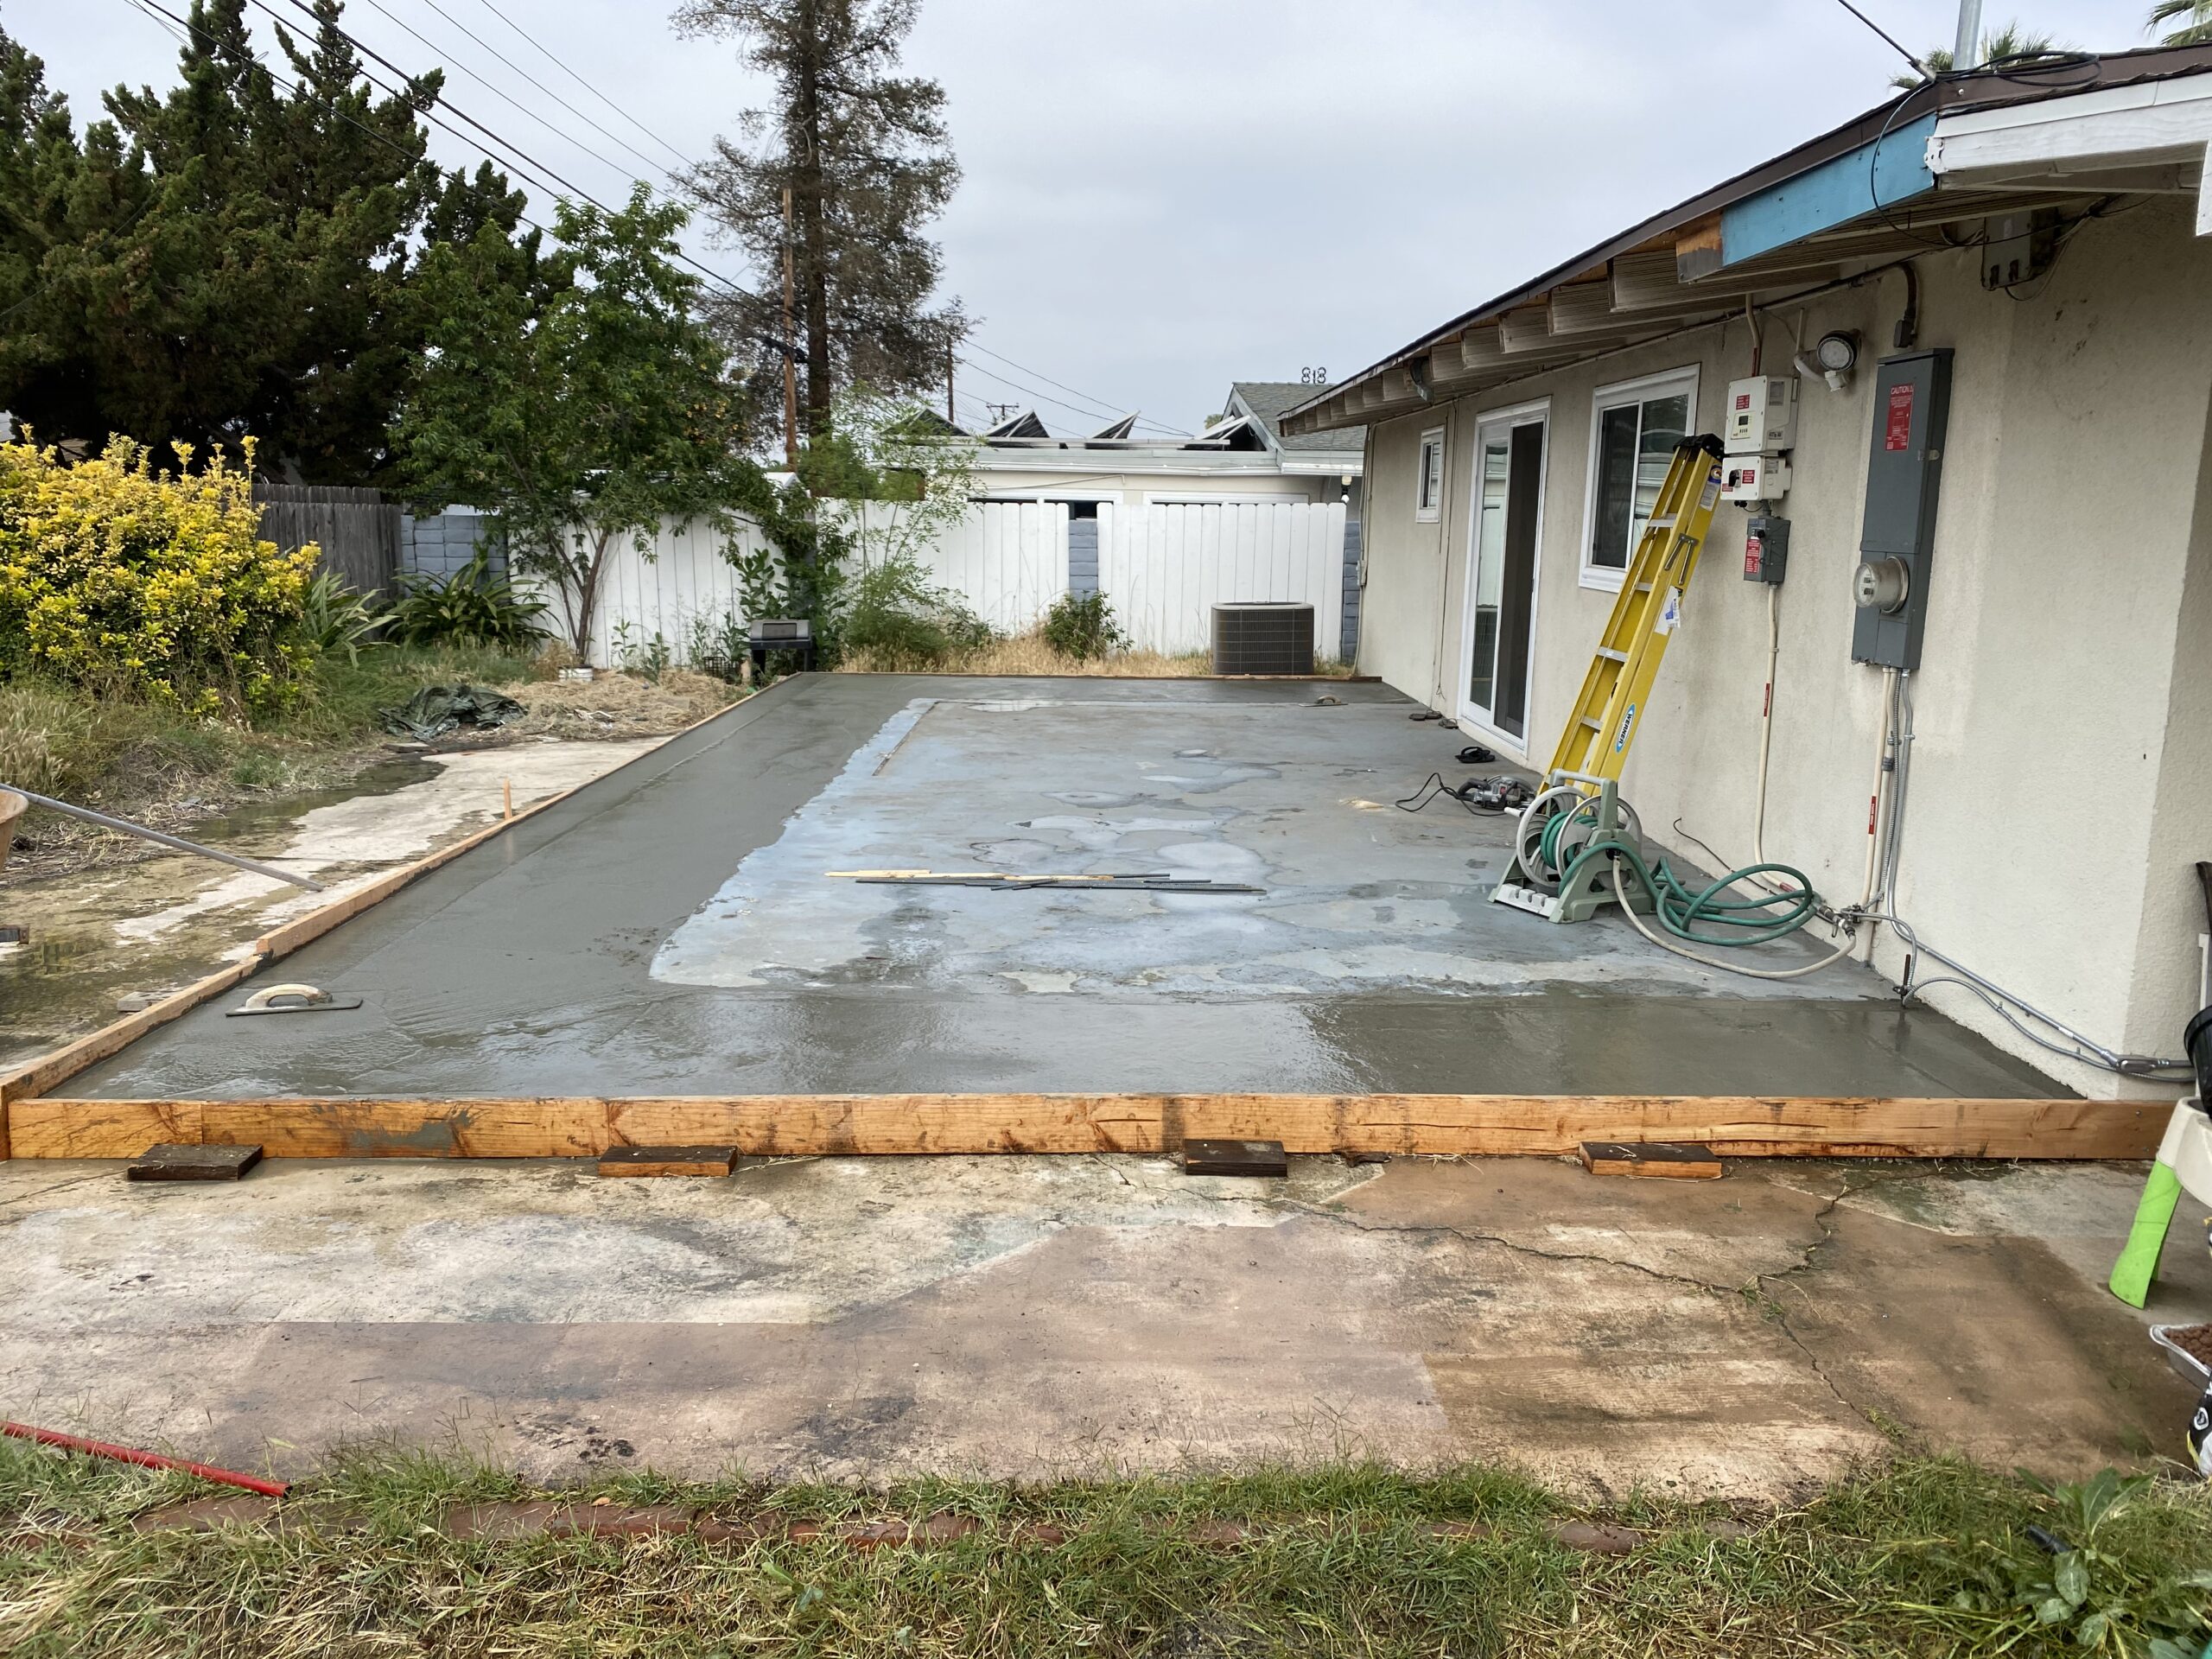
1579, 804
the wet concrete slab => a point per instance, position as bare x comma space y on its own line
150, 924
672, 928
1031, 1317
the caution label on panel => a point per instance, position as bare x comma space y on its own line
1898, 434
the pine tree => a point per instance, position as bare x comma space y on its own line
40, 171
232, 257
868, 164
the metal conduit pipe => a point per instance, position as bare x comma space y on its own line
179, 842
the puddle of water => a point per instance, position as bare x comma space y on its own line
254, 825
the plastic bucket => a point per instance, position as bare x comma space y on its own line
2196, 1043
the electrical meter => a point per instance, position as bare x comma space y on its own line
1762, 416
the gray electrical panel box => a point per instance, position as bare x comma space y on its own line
1912, 407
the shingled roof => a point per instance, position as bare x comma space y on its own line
1267, 401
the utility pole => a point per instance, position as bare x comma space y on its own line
790, 349
948, 418
1966, 47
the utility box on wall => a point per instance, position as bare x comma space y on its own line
1912, 409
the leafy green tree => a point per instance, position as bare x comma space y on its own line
890, 480
867, 163
576, 396
2193, 15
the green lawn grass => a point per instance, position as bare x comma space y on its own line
1925, 1556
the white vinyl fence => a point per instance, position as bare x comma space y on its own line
684, 581
1163, 566
1006, 560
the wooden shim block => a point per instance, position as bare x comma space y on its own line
668, 1160
783, 1125
1667, 1160
172, 1162
1234, 1158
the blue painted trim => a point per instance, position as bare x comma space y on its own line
1839, 190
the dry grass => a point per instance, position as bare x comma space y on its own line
620, 705
1029, 654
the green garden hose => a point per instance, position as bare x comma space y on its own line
1678, 907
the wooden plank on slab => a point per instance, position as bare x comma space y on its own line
668, 1160
192, 1161
1667, 1160
905, 1125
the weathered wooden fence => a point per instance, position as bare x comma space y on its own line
357, 531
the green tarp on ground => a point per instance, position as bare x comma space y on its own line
437, 709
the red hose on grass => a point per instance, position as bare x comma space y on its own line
145, 1459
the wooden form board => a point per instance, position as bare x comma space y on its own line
772, 1125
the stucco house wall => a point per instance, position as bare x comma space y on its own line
2061, 780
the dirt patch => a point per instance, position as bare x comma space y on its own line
620, 705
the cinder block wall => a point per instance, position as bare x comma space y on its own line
441, 544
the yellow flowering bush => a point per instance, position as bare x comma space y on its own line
133, 580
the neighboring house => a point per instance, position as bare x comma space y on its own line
2051, 231
1242, 456
1242, 461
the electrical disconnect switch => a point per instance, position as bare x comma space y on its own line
1766, 548
1748, 479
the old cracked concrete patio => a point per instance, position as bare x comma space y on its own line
669, 929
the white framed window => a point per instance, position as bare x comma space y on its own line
1633, 427
1429, 482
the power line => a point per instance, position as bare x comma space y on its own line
611, 137
1047, 397
1104, 409
511, 155
1096, 411
526, 163
1917, 64
508, 98
547, 54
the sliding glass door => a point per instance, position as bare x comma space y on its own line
1501, 604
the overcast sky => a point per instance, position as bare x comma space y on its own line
1164, 195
